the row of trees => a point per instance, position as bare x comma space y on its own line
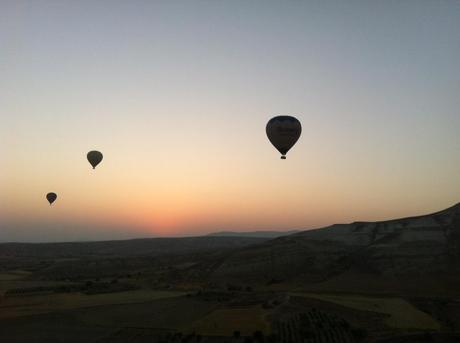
317, 327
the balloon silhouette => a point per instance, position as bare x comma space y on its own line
94, 158
51, 197
283, 132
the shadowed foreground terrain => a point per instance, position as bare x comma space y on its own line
390, 281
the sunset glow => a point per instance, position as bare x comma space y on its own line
177, 97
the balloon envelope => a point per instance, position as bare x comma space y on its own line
94, 158
283, 132
51, 197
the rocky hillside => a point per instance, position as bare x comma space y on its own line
417, 246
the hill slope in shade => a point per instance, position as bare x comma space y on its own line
423, 249
259, 234
132, 247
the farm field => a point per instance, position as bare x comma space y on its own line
96, 323
401, 314
13, 275
36, 304
173, 313
224, 321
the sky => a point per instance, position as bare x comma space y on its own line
176, 95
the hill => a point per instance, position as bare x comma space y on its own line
400, 255
259, 234
393, 280
132, 247
416, 255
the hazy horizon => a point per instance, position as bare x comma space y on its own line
126, 234
177, 95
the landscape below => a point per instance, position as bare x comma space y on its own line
389, 281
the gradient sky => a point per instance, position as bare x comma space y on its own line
176, 94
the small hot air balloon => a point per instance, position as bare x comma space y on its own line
283, 132
51, 197
94, 158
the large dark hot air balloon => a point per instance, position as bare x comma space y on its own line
94, 158
51, 197
283, 132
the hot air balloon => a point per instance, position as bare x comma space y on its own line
51, 197
94, 158
283, 132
